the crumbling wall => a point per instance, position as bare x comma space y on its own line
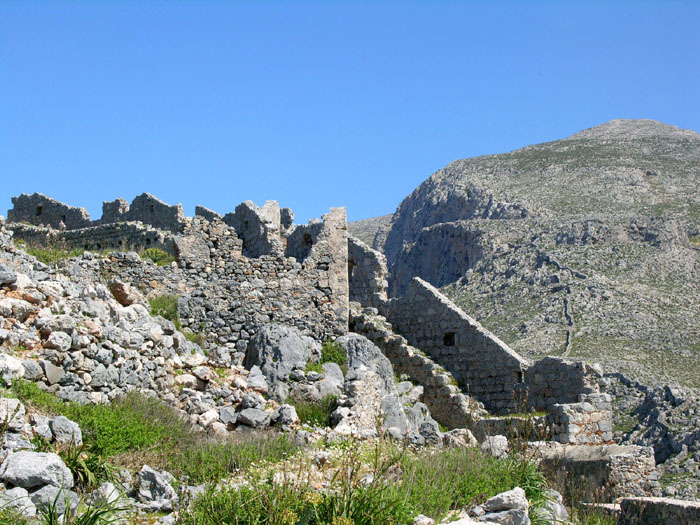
147, 209
478, 360
258, 228
588, 421
210, 215
114, 211
124, 236
38, 209
447, 404
598, 472
367, 274
650, 511
553, 380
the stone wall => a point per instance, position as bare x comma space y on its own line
447, 404
598, 473
147, 209
650, 511
477, 359
554, 380
123, 236
258, 228
588, 421
37, 209
367, 274
228, 296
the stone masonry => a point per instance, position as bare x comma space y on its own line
367, 273
642, 511
478, 360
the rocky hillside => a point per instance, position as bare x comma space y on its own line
587, 247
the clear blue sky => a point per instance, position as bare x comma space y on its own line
317, 104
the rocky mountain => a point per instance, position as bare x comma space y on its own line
587, 247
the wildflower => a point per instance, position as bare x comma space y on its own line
313, 497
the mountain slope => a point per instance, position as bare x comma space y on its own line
586, 246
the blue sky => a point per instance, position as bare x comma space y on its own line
317, 104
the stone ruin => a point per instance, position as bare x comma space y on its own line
238, 272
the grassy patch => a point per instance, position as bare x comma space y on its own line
433, 482
332, 352
166, 307
137, 429
315, 414
313, 367
51, 255
158, 256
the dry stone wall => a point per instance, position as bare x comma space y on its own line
367, 274
588, 421
476, 358
553, 380
598, 472
447, 404
147, 209
648, 511
131, 236
38, 209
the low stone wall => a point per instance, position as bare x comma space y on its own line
650, 511
598, 473
588, 421
125, 236
478, 360
367, 274
527, 428
447, 404
553, 380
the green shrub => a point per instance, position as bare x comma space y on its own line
166, 307
158, 256
51, 255
313, 367
316, 414
332, 352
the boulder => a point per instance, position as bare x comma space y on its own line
287, 415
60, 341
65, 430
360, 351
277, 350
19, 500
154, 490
51, 496
7, 275
12, 414
10, 368
125, 294
512, 499
33, 469
254, 417
497, 446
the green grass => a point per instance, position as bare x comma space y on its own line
166, 307
433, 482
315, 414
313, 367
51, 255
332, 352
137, 428
158, 256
